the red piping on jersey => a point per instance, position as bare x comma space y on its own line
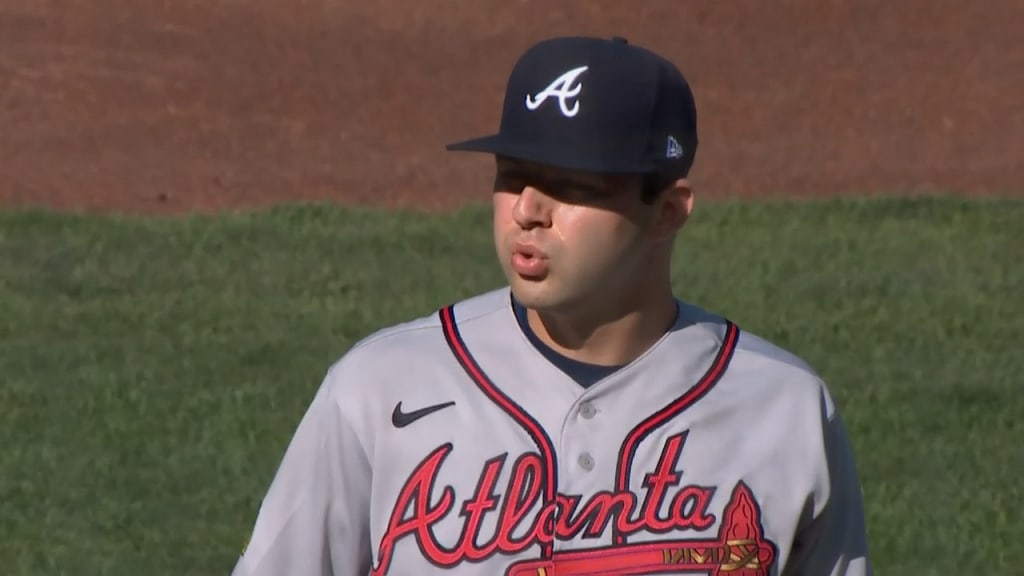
703, 386
533, 428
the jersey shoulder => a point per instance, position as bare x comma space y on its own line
427, 328
781, 368
409, 348
759, 362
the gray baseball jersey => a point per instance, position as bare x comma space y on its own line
449, 444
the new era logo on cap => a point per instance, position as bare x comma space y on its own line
673, 150
598, 105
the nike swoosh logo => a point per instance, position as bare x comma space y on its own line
402, 419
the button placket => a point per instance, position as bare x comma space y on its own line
586, 461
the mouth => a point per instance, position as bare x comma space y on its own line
528, 261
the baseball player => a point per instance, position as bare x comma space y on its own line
581, 420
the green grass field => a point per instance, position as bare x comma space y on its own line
153, 370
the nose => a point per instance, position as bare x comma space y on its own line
532, 209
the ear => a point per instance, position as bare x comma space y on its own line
672, 209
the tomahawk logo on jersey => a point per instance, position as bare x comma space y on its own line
729, 458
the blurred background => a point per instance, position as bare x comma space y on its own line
198, 105
170, 296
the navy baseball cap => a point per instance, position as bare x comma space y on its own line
596, 105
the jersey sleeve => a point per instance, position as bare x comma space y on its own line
313, 518
833, 542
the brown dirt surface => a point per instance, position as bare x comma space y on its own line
200, 105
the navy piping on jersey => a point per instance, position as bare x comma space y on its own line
584, 373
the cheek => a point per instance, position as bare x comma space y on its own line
599, 238
501, 207
503, 221
498, 205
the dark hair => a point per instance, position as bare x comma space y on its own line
654, 184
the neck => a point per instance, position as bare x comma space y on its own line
606, 334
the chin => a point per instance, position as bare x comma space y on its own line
537, 294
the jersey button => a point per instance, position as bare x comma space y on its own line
586, 461
587, 410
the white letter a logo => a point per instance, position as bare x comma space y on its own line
563, 89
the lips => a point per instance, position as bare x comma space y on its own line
528, 260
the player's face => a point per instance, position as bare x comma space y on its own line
569, 239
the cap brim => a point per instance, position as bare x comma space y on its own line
545, 153
490, 144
